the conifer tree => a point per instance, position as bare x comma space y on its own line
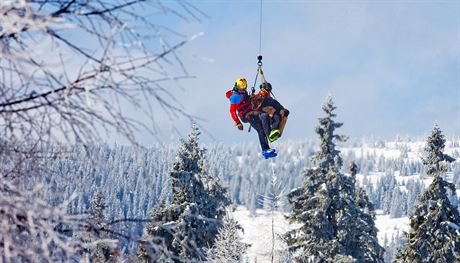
100, 246
103, 251
271, 203
97, 210
325, 206
228, 247
185, 229
364, 222
435, 225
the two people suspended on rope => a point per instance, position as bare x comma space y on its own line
266, 115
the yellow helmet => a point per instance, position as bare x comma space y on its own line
241, 83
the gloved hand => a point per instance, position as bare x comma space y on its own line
240, 126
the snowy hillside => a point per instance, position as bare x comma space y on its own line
390, 227
258, 231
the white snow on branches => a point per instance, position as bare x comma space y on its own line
32, 230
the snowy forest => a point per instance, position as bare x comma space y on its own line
69, 194
126, 187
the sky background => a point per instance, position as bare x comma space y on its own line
392, 67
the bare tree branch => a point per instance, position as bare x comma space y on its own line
71, 71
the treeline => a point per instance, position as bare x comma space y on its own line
134, 179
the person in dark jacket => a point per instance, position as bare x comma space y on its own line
272, 114
241, 111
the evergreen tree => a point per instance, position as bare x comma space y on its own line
397, 204
325, 206
414, 189
364, 222
97, 210
185, 229
271, 203
104, 251
100, 245
391, 249
435, 233
228, 246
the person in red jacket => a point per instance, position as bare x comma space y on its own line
241, 111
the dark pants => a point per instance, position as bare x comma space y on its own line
275, 121
268, 124
265, 119
256, 123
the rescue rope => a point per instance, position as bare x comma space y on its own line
253, 89
259, 57
260, 30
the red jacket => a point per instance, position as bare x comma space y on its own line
239, 102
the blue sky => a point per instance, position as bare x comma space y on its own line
392, 67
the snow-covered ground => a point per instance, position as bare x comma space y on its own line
258, 231
390, 226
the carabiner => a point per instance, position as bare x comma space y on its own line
259, 63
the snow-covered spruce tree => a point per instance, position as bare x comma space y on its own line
95, 234
391, 248
271, 202
325, 206
102, 248
228, 246
364, 222
435, 225
185, 229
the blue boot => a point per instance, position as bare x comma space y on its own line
269, 153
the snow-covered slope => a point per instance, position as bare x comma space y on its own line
390, 227
258, 231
